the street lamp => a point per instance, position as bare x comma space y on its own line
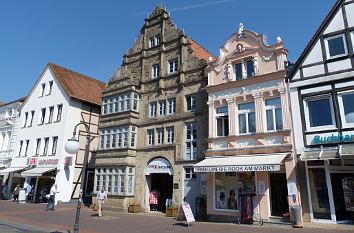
72, 146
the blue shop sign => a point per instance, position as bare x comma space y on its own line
333, 138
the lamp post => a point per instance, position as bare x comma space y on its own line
72, 146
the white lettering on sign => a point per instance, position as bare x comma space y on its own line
48, 162
253, 168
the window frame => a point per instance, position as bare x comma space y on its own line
273, 108
162, 107
155, 71
221, 116
191, 141
170, 133
341, 108
153, 109
50, 87
59, 112
54, 145
247, 113
51, 113
171, 106
342, 35
307, 112
191, 100
173, 66
150, 137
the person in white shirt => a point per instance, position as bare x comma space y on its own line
28, 191
101, 199
51, 201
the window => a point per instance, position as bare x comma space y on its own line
26, 148
42, 90
172, 66
121, 103
191, 141
50, 87
31, 121
113, 180
121, 181
38, 146
152, 109
162, 105
191, 101
110, 105
274, 114
222, 121
154, 41
151, 137
130, 181
51, 112
170, 135
127, 101
171, 106
104, 106
114, 138
246, 118
115, 104
135, 102
336, 46
42, 116
238, 70
125, 137
160, 135
45, 149
346, 107
319, 112
20, 149
60, 109
250, 68
102, 138
25, 120
54, 145
133, 136
155, 71
108, 138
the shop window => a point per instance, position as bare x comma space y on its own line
226, 191
274, 114
191, 141
319, 112
336, 46
246, 118
222, 121
346, 106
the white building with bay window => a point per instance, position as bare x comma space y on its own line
322, 101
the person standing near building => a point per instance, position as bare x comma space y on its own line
16, 193
101, 199
28, 192
51, 201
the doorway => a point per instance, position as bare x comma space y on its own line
190, 188
343, 197
279, 195
162, 183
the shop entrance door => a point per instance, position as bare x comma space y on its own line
279, 194
343, 196
163, 184
190, 188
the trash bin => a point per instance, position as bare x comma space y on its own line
297, 215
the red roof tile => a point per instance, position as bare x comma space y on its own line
199, 51
79, 86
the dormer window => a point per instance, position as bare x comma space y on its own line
154, 41
336, 46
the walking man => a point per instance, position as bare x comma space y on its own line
101, 199
28, 193
51, 200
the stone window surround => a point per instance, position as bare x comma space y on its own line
152, 136
123, 137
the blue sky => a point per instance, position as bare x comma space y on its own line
91, 36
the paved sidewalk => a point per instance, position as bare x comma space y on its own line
32, 218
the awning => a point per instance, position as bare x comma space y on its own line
346, 151
323, 154
10, 169
38, 171
240, 163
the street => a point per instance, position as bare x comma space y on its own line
30, 218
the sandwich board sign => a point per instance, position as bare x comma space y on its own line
185, 213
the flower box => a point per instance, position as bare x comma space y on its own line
171, 211
134, 208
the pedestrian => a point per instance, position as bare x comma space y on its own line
16, 193
51, 200
28, 192
100, 200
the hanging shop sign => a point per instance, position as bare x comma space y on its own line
68, 161
333, 138
159, 165
244, 168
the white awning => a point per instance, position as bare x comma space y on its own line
241, 163
38, 171
10, 169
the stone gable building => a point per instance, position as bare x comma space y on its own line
153, 124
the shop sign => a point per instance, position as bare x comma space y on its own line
44, 162
333, 138
252, 168
32, 161
159, 165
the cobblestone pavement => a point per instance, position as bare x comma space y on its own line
30, 218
